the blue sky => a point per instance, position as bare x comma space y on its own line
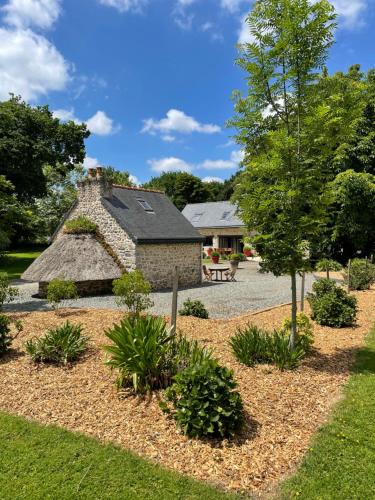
152, 78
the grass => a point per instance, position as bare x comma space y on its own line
16, 262
41, 462
341, 461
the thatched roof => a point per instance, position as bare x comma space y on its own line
77, 257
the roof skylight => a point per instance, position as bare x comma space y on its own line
196, 217
145, 205
225, 215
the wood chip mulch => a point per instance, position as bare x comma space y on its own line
283, 409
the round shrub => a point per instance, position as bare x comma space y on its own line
205, 402
193, 308
361, 276
332, 305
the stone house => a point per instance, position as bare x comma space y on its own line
218, 223
140, 228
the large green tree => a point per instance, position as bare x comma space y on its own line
281, 191
181, 187
30, 139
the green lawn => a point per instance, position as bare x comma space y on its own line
38, 462
16, 261
341, 461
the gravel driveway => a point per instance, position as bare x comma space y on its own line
250, 292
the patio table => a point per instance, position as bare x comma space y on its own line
218, 270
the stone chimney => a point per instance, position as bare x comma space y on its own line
94, 187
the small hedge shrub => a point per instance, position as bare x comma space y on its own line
193, 308
250, 346
59, 290
305, 331
204, 401
331, 305
80, 225
362, 274
132, 290
147, 355
59, 345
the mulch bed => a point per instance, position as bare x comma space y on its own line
283, 409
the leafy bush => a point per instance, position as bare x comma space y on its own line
254, 345
133, 291
305, 331
147, 355
193, 308
7, 293
204, 401
328, 265
59, 290
236, 257
250, 346
80, 225
59, 345
215, 254
204, 255
332, 305
6, 338
362, 274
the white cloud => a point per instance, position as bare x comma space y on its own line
350, 11
231, 5
30, 65
101, 124
170, 164
65, 115
125, 5
212, 179
134, 180
90, 162
178, 121
235, 158
168, 138
26, 13
244, 35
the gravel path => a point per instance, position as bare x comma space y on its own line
252, 291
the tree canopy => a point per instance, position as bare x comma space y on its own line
30, 139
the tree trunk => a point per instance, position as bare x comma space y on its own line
327, 274
293, 333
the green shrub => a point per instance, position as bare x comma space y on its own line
193, 308
59, 345
147, 355
362, 274
305, 331
80, 225
254, 345
59, 290
215, 254
332, 305
204, 401
250, 346
7, 293
243, 257
6, 338
133, 291
204, 255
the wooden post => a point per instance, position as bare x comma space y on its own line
174, 300
349, 265
303, 291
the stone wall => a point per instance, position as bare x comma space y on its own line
90, 193
157, 263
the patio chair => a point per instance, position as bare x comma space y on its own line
230, 275
207, 274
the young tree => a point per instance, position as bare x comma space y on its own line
280, 194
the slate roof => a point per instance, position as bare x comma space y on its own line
218, 214
149, 216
